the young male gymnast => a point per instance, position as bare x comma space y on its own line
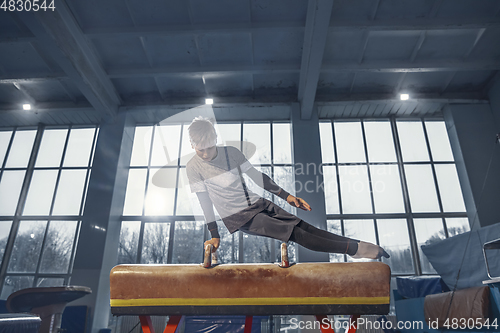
215, 175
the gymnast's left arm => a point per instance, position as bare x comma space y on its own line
268, 184
208, 212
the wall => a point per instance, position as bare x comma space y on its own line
494, 97
97, 249
307, 153
472, 129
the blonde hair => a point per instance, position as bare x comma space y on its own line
202, 132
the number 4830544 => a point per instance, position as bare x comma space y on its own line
27, 5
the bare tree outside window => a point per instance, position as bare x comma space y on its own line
257, 248
27, 247
129, 242
15, 283
155, 243
228, 251
188, 242
58, 247
4, 235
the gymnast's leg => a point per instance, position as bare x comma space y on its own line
323, 241
332, 244
319, 232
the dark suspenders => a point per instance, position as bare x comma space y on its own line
241, 177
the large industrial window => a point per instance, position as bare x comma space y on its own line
43, 182
162, 220
394, 183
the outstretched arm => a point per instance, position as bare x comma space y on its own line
208, 212
268, 184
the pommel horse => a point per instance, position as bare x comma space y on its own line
316, 289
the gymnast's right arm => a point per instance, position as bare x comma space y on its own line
208, 212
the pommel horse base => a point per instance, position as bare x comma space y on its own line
316, 289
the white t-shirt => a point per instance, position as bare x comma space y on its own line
222, 179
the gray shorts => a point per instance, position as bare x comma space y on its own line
273, 222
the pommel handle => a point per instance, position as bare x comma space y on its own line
214, 258
207, 260
284, 256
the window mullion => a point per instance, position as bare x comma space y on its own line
404, 185
37, 270
22, 200
370, 181
140, 242
273, 242
89, 168
337, 175
171, 231
240, 234
436, 185
148, 167
337, 170
73, 251
7, 152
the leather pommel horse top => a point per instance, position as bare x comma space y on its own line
251, 289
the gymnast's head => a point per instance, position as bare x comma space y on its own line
203, 138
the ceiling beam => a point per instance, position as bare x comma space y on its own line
366, 36
338, 67
50, 107
479, 35
31, 77
338, 26
62, 39
413, 56
395, 100
415, 24
200, 70
372, 66
27, 97
337, 99
418, 46
464, 97
192, 29
318, 18
452, 75
408, 66
250, 27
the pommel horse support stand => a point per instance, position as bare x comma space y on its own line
318, 289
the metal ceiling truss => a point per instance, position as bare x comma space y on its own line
61, 43
62, 39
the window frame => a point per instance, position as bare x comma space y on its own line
18, 216
408, 214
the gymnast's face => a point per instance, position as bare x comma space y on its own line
206, 153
